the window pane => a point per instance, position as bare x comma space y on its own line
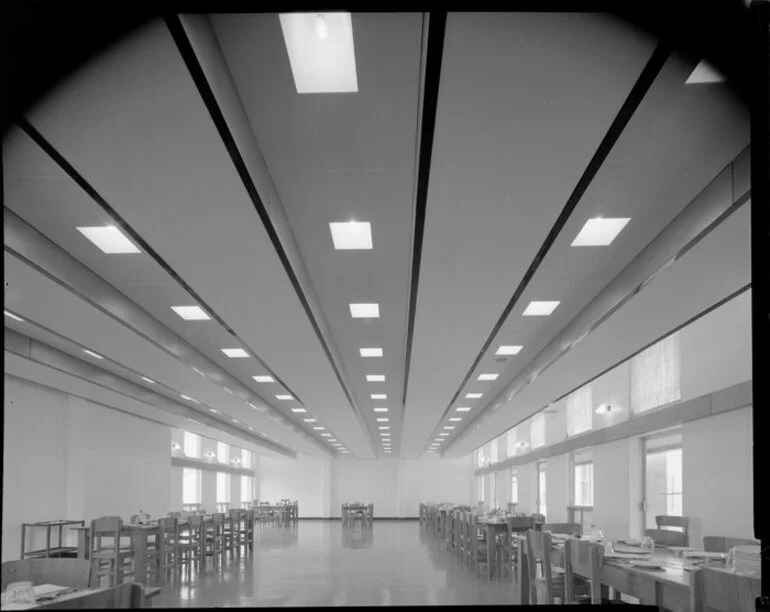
191, 486
537, 430
246, 489
584, 484
541, 489
511, 442
494, 490
579, 411
493, 451
655, 375
192, 445
223, 487
663, 486
514, 486
223, 452
246, 458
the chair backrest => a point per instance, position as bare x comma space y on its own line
586, 560
218, 518
174, 514
105, 527
539, 553
126, 595
169, 528
668, 538
712, 590
74, 573
723, 544
569, 528
681, 522
195, 521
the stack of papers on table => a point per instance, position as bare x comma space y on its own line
747, 559
626, 555
42, 590
629, 549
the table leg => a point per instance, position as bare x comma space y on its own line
47, 541
522, 573
490, 550
82, 545
202, 543
140, 556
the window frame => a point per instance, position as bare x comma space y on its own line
198, 484
198, 444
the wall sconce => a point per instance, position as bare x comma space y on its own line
211, 455
522, 445
175, 446
603, 409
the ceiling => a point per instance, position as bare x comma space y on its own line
525, 101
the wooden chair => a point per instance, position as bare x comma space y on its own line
665, 522
551, 581
477, 546
723, 544
573, 529
190, 541
128, 595
109, 558
235, 532
712, 590
508, 550
74, 573
664, 537
248, 524
214, 534
176, 515
167, 549
586, 560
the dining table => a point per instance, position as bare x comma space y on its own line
492, 526
667, 588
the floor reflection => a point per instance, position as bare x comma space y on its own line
276, 536
357, 535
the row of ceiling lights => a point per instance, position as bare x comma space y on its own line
598, 231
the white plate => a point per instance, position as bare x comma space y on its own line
647, 564
631, 541
683, 548
699, 554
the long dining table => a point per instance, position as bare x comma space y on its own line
667, 588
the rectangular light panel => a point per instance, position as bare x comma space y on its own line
351, 235
443, 434
384, 427
321, 51
319, 428
488, 376
449, 427
283, 397
455, 419
380, 409
473, 395
508, 349
371, 352
378, 396
309, 420
375, 378
109, 239
600, 231
93, 354
235, 353
539, 309
263, 379
365, 311
13, 316
298, 410
189, 399
326, 435
149, 380
463, 409
383, 420
191, 313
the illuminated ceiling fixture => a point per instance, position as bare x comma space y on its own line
365, 311
298, 410
463, 409
603, 409
371, 352
380, 409
455, 419
539, 309
191, 313
508, 349
235, 353
375, 378
263, 379
488, 376
473, 395
189, 399
351, 235
149, 380
378, 396
321, 51
109, 239
13, 316
704, 73
283, 396
92, 354
599, 231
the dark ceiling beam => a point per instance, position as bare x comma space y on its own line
725, 194
434, 30
33, 248
199, 48
633, 100
48, 356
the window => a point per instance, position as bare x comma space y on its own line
481, 484
511, 442
514, 486
223, 452
247, 488
246, 458
579, 411
481, 461
493, 451
191, 486
494, 489
192, 445
223, 488
537, 431
541, 508
663, 476
655, 375
583, 479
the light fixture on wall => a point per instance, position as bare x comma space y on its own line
603, 409
175, 447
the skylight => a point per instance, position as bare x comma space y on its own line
191, 313
365, 311
540, 309
321, 51
109, 239
599, 231
351, 235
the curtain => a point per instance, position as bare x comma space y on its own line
579, 411
656, 375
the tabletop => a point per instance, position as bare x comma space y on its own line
60, 598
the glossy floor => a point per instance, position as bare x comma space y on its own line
322, 563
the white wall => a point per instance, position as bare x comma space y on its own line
35, 443
717, 475
612, 487
557, 488
306, 480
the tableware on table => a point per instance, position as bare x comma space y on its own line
700, 554
647, 564
648, 544
19, 593
630, 549
680, 550
630, 541
609, 547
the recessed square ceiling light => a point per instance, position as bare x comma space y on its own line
109, 239
455, 419
332, 440
319, 428
473, 395
443, 434
189, 399
235, 353
383, 420
385, 434
13, 316
371, 352
326, 435
263, 379
251, 428
599, 231
283, 396
380, 409
214, 410
234, 420
449, 427
365, 311
539, 309
463, 409
508, 349
298, 410
92, 354
384, 427
310, 420
375, 378
149, 380
704, 73
351, 235
191, 313
378, 396
488, 376
321, 51
344, 451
